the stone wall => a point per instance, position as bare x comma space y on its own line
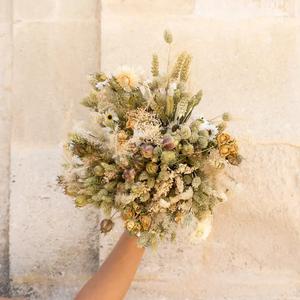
246, 58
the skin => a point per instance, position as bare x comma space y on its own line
114, 277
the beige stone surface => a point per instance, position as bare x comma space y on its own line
5, 93
53, 246
245, 8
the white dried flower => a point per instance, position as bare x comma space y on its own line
127, 78
164, 204
211, 129
203, 228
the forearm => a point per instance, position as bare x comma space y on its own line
113, 279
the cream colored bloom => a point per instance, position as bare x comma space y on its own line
127, 78
203, 228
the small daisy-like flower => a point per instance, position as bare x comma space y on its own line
211, 129
203, 228
127, 78
223, 138
101, 84
110, 118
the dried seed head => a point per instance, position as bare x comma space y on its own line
168, 37
106, 225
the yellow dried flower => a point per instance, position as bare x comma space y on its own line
224, 150
99, 171
151, 168
127, 78
168, 157
127, 213
130, 224
178, 217
233, 148
187, 149
146, 222
223, 138
81, 201
130, 123
122, 137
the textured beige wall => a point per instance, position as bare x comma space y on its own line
53, 248
5, 94
247, 61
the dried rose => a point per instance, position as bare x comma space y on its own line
168, 142
129, 175
234, 159
224, 150
223, 138
147, 150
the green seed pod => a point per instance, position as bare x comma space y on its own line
100, 76
204, 133
143, 176
168, 37
203, 142
157, 151
106, 225
99, 171
185, 132
196, 124
151, 182
187, 179
110, 186
152, 168
168, 157
187, 149
194, 137
145, 197
222, 126
226, 116
81, 201
196, 182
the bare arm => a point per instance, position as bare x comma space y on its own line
114, 277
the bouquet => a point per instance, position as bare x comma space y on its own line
141, 158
